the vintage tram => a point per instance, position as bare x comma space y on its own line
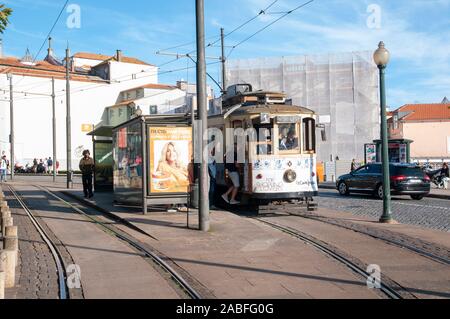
277, 147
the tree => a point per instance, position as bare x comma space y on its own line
4, 17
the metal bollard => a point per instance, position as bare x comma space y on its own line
8, 265
2, 285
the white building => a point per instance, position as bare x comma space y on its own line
97, 81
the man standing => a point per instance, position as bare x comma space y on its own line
87, 166
212, 170
3, 168
354, 166
445, 175
50, 165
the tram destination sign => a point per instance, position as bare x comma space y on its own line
288, 119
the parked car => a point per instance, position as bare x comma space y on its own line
406, 179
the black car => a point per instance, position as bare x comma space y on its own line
406, 179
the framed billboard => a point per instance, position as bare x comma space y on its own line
170, 169
370, 153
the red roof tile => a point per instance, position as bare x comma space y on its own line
154, 86
425, 112
102, 57
41, 69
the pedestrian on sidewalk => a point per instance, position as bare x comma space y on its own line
353, 166
87, 167
232, 168
49, 165
445, 174
57, 167
46, 166
212, 170
3, 168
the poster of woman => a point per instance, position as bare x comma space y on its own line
170, 158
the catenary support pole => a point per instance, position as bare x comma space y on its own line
11, 117
224, 70
54, 128
203, 116
68, 121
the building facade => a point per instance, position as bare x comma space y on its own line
428, 125
97, 81
342, 88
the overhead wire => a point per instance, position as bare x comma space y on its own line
270, 24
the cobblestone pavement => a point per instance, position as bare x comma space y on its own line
36, 276
429, 213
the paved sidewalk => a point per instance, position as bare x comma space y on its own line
241, 258
110, 269
435, 193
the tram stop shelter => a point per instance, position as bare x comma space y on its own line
153, 158
102, 155
399, 151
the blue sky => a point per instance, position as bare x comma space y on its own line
417, 32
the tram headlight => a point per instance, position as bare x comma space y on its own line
290, 176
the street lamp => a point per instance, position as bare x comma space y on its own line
381, 58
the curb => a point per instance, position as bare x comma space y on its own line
438, 196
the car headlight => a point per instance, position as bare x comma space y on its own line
290, 176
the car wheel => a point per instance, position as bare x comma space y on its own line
343, 189
379, 193
417, 197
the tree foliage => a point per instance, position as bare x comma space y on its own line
4, 17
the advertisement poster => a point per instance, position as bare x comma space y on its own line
371, 153
170, 159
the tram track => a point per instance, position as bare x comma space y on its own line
332, 252
63, 291
428, 250
175, 276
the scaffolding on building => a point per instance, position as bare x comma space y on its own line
342, 88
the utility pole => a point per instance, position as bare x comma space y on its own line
202, 110
11, 117
223, 59
68, 122
54, 129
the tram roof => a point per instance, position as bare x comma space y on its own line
270, 108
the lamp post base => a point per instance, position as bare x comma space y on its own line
387, 220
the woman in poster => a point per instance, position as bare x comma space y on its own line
170, 165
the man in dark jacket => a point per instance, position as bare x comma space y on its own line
87, 167
445, 175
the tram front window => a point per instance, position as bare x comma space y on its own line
264, 144
288, 138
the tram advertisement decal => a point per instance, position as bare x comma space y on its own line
271, 172
170, 159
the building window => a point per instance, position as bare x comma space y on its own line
396, 122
